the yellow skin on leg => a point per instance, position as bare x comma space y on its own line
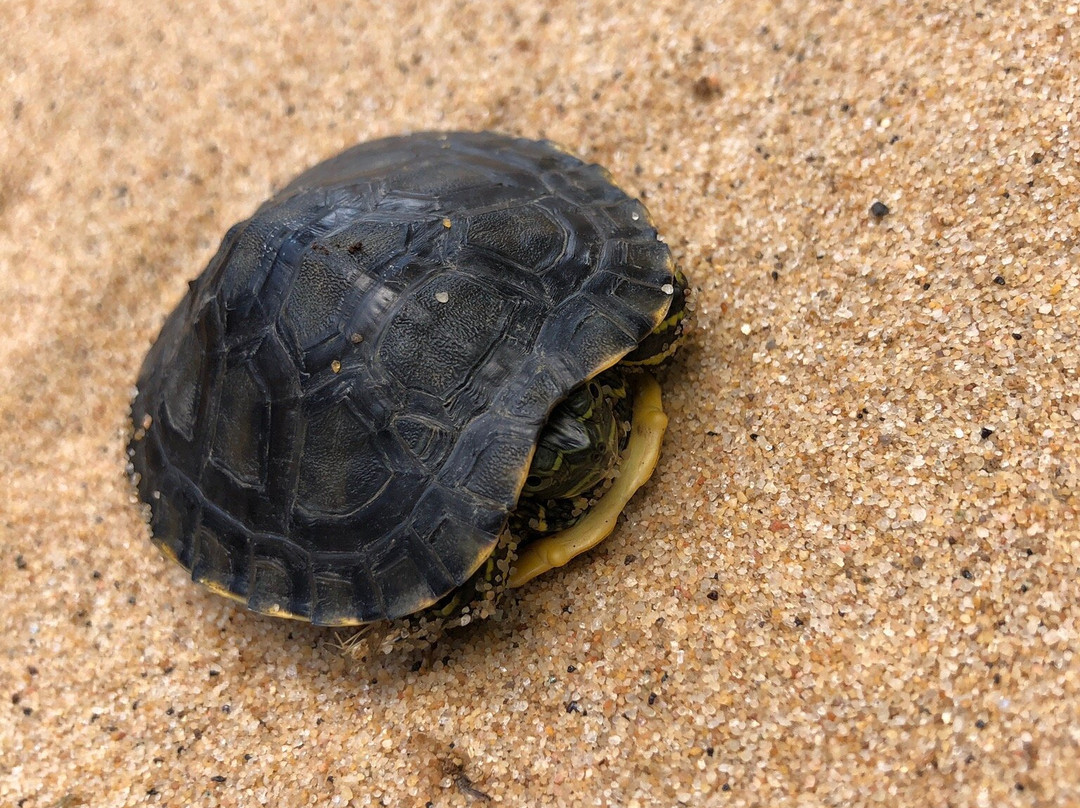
639, 459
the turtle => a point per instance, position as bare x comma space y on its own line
418, 375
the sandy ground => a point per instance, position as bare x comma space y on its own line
853, 578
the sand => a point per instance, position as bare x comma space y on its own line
853, 578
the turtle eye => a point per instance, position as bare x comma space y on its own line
533, 480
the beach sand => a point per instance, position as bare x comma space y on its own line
853, 579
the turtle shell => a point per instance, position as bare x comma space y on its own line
338, 417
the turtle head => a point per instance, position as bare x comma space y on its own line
579, 450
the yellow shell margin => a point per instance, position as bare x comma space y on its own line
648, 425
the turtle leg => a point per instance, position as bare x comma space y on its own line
664, 340
648, 423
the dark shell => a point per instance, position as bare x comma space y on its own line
338, 417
